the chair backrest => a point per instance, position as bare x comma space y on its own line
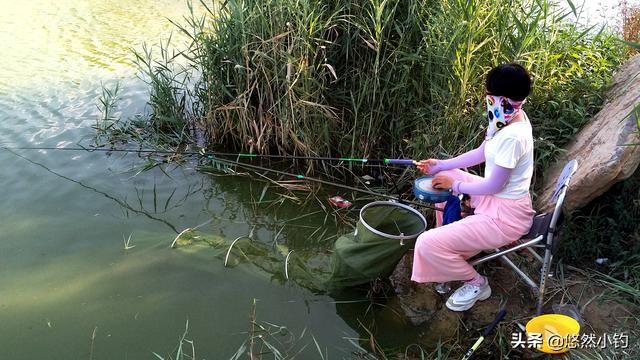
559, 194
563, 179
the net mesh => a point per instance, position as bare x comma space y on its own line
356, 258
363, 256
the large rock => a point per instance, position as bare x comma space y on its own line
420, 303
601, 147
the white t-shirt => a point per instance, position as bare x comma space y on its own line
512, 148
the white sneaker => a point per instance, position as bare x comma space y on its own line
466, 296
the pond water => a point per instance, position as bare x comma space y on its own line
68, 288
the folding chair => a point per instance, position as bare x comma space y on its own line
543, 235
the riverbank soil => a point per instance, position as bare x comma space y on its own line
570, 290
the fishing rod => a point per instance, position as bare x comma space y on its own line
406, 162
486, 333
214, 157
320, 181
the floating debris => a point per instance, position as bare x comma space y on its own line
295, 185
367, 179
339, 201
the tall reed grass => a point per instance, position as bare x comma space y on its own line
373, 77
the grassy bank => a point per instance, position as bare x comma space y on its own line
372, 78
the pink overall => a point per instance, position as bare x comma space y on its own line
440, 253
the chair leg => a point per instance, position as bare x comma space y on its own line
535, 254
519, 272
546, 265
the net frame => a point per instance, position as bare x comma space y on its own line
402, 236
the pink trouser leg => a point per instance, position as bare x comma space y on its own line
440, 254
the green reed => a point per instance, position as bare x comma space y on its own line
372, 77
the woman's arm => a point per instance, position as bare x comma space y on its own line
470, 158
487, 186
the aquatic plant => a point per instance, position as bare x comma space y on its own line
110, 128
183, 351
105, 126
168, 97
266, 339
127, 242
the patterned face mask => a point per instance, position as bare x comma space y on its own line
500, 111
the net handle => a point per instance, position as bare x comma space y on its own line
391, 203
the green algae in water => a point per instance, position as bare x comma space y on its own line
356, 258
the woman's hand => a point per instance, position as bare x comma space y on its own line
442, 182
426, 166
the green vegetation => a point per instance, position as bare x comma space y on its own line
608, 227
389, 78
376, 78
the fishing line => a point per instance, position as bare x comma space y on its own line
385, 161
213, 156
122, 203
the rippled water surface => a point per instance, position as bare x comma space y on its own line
68, 289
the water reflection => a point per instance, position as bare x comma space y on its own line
96, 278
64, 270
126, 207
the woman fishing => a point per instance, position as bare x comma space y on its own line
503, 210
